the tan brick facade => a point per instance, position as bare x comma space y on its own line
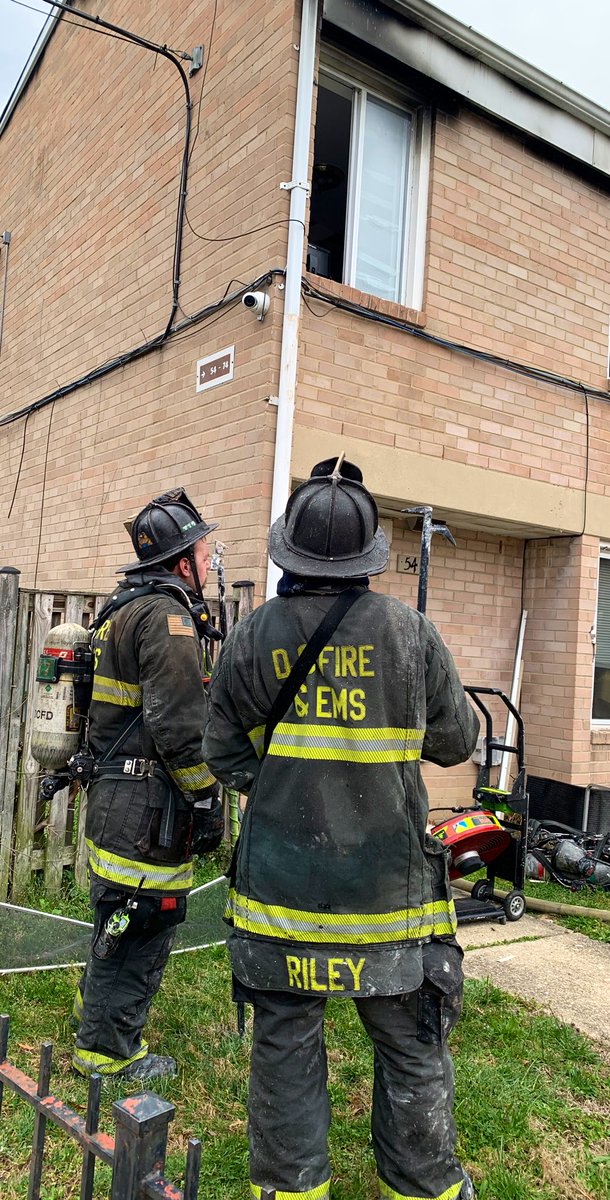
516, 265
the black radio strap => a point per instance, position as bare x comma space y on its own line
307, 658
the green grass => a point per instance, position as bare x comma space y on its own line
587, 898
532, 1096
600, 930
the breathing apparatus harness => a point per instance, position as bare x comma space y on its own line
74, 663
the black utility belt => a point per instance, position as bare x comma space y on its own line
133, 768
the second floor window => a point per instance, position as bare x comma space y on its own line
369, 190
601, 677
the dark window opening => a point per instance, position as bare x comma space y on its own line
328, 209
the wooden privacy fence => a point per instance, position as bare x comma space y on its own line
36, 836
33, 836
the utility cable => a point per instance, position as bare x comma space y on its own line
18, 476
43, 494
146, 44
88, 28
247, 233
485, 356
129, 356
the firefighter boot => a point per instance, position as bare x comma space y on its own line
152, 1066
467, 1190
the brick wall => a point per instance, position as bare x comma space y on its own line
561, 596
90, 169
517, 263
474, 596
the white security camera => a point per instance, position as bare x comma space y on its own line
256, 302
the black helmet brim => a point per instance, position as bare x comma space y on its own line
298, 562
194, 535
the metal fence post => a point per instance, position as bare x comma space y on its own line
40, 1122
142, 1123
4, 1024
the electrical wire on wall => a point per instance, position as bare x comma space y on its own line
507, 364
130, 355
97, 25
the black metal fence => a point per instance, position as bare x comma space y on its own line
137, 1152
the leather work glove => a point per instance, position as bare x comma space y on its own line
208, 822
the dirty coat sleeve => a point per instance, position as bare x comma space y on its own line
226, 745
173, 696
452, 725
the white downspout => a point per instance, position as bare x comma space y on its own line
294, 264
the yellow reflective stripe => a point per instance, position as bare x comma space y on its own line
345, 754
129, 871
86, 1061
351, 733
318, 1193
257, 737
192, 779
341, 743
450, 1193
296, 925
77, 1007
116, 691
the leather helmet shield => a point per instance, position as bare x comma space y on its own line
168, 524
330, 529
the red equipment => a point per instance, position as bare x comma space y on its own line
474, 839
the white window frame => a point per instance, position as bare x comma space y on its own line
596, 722
365, 81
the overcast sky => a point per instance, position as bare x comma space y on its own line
569, 41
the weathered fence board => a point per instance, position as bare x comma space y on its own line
28, 789
30, 838
12, 772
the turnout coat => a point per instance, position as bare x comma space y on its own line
147, 662
335, 885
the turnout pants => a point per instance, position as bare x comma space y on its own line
114, 994
412, 1127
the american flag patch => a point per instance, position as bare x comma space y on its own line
180, 626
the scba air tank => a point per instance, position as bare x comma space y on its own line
61, 698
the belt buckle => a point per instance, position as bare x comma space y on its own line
136, 767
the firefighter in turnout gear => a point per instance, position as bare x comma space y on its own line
321, 705
152, 801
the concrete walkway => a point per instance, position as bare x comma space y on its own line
566, 973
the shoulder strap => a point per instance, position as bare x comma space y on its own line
120, 598
127, 727
306, 659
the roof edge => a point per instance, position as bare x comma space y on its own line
35, 56
476, 45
